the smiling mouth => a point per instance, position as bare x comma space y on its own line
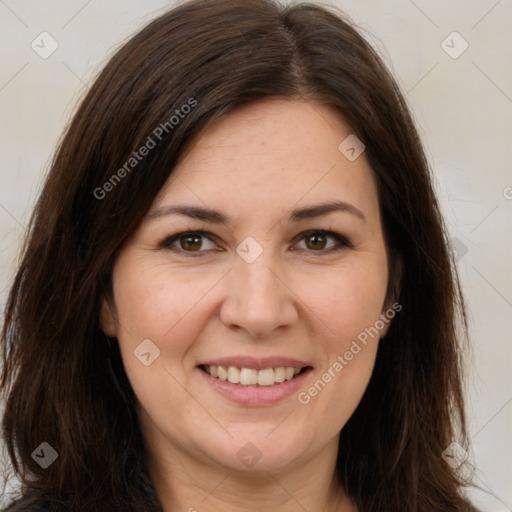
252, 377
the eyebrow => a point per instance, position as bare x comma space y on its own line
216, 217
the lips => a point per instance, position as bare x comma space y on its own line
255, 395
252, 381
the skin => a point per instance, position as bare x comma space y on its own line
296, 299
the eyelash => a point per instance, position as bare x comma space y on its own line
342, 241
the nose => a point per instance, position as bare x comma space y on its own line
257, 298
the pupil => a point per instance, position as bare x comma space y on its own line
196, 241
316, 238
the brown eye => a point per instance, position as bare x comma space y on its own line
316, 241
190, 242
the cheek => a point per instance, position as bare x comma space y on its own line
347, 306
156, 304
153, 299
347, 302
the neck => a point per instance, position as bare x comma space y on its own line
183, 484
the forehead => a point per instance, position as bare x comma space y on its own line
269, 156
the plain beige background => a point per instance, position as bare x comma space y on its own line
461, 98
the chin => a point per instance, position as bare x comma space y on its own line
258, 451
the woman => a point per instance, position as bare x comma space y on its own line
236, 292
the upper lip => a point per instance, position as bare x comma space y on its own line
258, 363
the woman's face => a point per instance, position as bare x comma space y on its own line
254, 290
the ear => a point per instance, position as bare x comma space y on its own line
107, 318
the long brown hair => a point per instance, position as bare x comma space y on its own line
63, 379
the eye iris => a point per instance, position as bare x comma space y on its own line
193, 242
196, 241
316, 238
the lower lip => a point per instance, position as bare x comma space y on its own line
256, 395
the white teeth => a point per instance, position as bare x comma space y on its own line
222, 372
252, 377
248, 377
266, 377
279, 374
233, 375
